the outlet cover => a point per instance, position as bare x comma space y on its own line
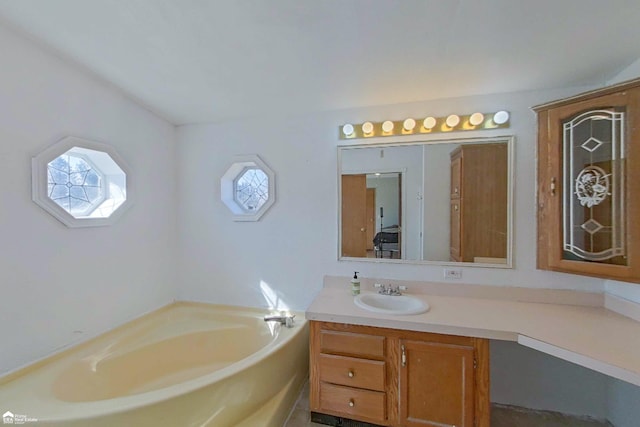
453, 273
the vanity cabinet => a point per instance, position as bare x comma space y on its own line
393, 377
588, 175
478, 214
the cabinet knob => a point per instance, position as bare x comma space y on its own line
455, 208
455, 190
362, 229
351, 374
352, 403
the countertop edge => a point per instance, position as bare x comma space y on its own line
607, 349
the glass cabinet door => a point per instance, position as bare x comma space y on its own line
588, 207
594, 186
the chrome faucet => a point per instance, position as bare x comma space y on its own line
283, 318
390, 290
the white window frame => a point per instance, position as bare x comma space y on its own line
228, 187
104, 167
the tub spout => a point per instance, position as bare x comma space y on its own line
282, 318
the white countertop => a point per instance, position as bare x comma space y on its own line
589, 336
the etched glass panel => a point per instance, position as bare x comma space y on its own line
252, 189
73, 184
593, 183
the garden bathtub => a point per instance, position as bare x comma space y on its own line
188, 364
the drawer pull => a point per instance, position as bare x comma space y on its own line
351, 374
352, 403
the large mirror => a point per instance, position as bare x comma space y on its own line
427, 202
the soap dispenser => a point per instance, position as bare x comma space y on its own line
355, 284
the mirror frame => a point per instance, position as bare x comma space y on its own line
508, 139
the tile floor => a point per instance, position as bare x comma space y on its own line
501, 416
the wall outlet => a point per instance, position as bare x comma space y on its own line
453, 273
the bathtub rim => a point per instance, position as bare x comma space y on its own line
65, 349
52, 409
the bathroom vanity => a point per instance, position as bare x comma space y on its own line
396, 377
432, 368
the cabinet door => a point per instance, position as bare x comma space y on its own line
436, 384
588, 199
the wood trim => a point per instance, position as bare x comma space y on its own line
393, 381
483, 383
314, 365
596, 93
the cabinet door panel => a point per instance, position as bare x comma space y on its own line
436, 385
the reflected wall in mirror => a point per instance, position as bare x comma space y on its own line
441, 201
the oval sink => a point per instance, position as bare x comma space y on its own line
391, 304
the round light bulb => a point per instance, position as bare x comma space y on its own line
476, 119
409, 124
429, 123
501, 117
387, 126
453, 120
347, 129
367, 127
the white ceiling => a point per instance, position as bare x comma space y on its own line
197, 61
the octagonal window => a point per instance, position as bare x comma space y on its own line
80, 182
248, 188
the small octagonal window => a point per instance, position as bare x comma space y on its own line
86, 184
248, 188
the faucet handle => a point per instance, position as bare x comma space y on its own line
383, 289
288, 321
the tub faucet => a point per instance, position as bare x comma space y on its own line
283, 318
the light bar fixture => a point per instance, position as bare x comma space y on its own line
412, 126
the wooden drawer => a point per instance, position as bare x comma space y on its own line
352, 372
351, 344
354, 403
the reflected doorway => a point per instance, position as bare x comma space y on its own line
371, 215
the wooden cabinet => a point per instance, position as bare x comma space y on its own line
398, 378
436, 384
588, 175
478, 202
